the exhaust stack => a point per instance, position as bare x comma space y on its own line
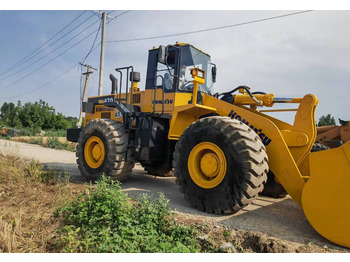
114, 83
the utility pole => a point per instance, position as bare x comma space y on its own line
102, 55
100, 85
84, 92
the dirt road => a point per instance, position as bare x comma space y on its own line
280, 218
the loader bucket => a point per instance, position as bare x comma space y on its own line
326, 195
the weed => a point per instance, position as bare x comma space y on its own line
104, 220
36, 140
52, 142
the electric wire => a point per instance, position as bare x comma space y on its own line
98, 31
122, 13
25, 67
37, 88
19, 62
91, 50
209, 29
2, 89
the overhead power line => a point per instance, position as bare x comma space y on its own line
92, 47
36, 61
209, 29
32, 72
27, 66
20, 62
47, 83
121, 13
37, 88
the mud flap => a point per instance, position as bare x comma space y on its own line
326, 195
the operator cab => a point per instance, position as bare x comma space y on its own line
170, 66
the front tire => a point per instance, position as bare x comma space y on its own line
220, 165
102, 150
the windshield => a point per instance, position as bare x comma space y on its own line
191, 57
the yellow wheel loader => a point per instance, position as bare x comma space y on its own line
221, 146
332, 136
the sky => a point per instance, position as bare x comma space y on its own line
291, 56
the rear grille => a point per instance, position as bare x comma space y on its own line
106, 115
136, 98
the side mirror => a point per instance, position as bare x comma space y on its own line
213, 73
162, 54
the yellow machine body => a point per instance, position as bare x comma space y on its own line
318, 181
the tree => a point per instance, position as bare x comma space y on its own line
38, 115
9, 115
327, 120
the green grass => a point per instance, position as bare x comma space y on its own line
52, 142
105, 219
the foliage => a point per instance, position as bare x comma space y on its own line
327, 120
105, 220
29, 131
38, 115
52, 142
36, 140
55, 133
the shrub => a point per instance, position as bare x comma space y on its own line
52, 142
105, 220
36, 140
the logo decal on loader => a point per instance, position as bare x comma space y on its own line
166, 101
264, 138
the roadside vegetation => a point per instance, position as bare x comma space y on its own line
37, 123
42, 212
31, 118
50, 142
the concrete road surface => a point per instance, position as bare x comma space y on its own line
281, 218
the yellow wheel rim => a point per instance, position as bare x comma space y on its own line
94, 152
207, 165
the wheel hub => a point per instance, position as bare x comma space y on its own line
94, 152
207, 165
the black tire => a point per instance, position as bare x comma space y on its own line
276, 190
160, 169
246, 158
272, 188
319, 147
118, 162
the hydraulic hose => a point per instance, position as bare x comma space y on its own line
246, 88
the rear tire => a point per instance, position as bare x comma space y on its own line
160, 169
246, 164
319, 147
102, 150
272, 188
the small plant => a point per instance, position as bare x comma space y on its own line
52, 142
36, 140
105, 220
